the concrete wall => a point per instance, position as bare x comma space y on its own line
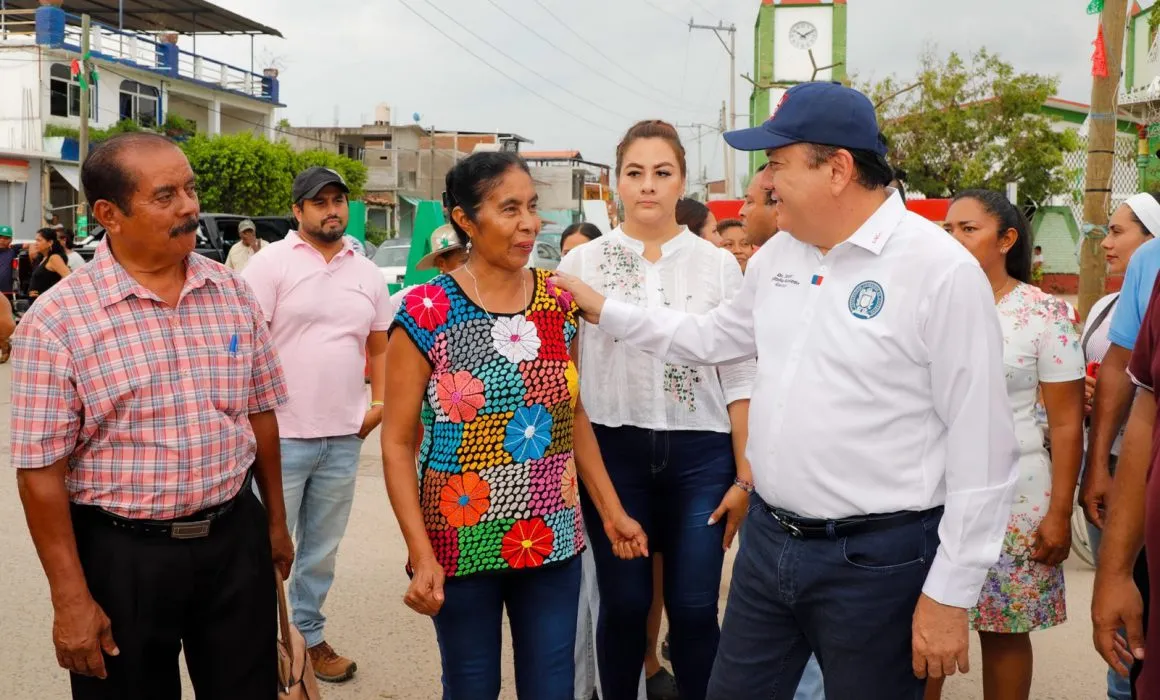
236, 121
20, 205
465, 144
305, 138
179, 106
1139, 70
554, 185
21, 127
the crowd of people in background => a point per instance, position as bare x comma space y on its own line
888, 420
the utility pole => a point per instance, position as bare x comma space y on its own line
731, 49
431, 170
1101, 159
701, 169
728, 152
82, 216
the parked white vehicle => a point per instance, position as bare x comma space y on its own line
391, 257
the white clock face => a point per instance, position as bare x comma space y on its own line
803, 35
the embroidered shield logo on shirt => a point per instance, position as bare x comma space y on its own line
866, 300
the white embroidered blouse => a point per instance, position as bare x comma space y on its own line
622, 386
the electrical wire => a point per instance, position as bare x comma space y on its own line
685, 71
534, 72
708, 93
702, 8
661, 9
276, 129
579, 61
485, 62
596, 49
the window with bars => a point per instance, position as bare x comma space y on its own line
141, 103
65, 93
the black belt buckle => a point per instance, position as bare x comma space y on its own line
189, 530
786, 525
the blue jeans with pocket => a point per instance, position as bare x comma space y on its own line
542, 606
848, 599
318, 479
670, 482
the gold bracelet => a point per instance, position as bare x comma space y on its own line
376, 403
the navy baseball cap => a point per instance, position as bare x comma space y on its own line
828, 114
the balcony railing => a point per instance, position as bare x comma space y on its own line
140, 51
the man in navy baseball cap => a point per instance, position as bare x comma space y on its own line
822, 136
828, 114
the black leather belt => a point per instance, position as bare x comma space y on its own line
189, 527
816, 528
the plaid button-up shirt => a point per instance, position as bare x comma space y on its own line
149, 402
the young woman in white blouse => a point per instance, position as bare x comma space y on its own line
672, 436
1132, 225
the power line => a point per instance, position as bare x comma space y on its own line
534, 72
274, 128
702, 8
685, 71
661, 9
708, 94
615, 64
579, 61
485, 62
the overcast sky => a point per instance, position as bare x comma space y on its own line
355, 54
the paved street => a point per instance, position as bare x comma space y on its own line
394, 647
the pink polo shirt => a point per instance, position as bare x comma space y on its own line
320, 317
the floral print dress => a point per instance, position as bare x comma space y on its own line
498, 484
1040, 344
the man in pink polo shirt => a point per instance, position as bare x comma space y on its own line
328, 309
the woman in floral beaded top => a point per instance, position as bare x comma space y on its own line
673, 436
484, 362
1024, 591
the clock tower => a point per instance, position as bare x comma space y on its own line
794, 41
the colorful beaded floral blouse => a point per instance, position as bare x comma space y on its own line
498, 483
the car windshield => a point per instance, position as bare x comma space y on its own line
392, 256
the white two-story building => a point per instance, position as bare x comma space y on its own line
147, 67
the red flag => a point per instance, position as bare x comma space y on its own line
1100, 56
74, 67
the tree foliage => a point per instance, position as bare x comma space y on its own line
239, 173
975, 123
175, 127
245, 174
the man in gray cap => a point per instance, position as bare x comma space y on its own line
447, 253
328, 312
881, 437
246, 248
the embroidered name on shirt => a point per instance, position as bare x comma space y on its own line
783, 280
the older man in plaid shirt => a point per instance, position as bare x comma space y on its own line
143, 396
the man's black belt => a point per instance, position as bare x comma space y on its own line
188, 527
817, 528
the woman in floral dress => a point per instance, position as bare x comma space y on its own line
482, 358
1024, 592
673, 436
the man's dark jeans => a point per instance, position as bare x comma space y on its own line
848, 599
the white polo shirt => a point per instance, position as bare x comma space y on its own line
880, 383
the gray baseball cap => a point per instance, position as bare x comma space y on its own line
311, 181
247, 225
